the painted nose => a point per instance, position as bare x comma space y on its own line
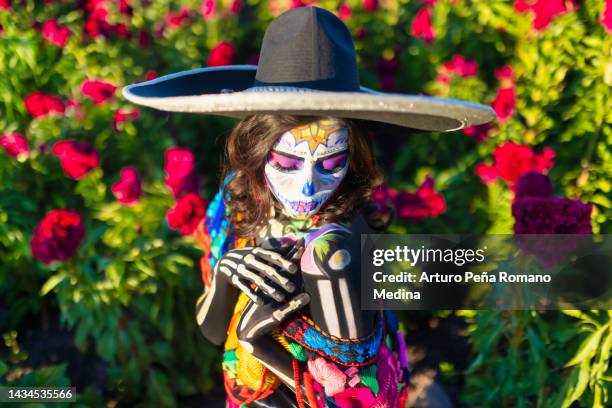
308, 188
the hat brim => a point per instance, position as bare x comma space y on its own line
229, 91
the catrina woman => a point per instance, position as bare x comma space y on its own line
283, 294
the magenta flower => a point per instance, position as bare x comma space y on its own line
551, 215
39, 104
421, 25
180, 171
54, 33
533, 184
58, 236
77, 159
15, 144
504, 103
98, 91
187, 213
128, 189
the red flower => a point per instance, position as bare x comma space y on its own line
208, 8
505, 73
478, 133
421, 25
150, 75
122, 116
370, 5
5, 4
235, 7
504, 103
97, 22
223, 53
77, 159
187, 213
486, 172
57, 236
458, 65
543, 11
39, 104
345, 11
424, 203
606, 16
14, 144
513, 160
180, 171
462, 66
98, 91
128, 189
55, 33
178, 18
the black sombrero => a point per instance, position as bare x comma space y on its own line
307, 66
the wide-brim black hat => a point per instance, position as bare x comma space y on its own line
307, 66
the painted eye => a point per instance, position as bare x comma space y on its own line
284, 163
333, 164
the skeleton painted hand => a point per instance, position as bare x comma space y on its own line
261, 273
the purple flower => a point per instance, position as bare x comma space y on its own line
533, 184
543, 215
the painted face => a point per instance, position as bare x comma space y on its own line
306, 165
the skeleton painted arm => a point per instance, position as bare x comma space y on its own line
259, 273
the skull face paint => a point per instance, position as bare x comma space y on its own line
306, 166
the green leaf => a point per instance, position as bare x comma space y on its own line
588, 348
51, 283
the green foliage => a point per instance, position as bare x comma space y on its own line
128, 294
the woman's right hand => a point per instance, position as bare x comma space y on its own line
259, 272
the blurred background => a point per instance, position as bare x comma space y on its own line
100, 200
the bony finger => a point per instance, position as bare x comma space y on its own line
260, 283
276, 259
270, 272
242, 286
294, 304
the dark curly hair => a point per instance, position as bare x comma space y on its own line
246, 152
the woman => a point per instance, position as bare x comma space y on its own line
285, 229
304, 180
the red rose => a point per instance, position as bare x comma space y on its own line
77, 159
424, 203
421, 25
123, 116
223, 53
543, 11
606, 16
57, 236
178, 18
39, 104
98, 91
512, 161
208, 8
504, 103
478, 133
55, 33
187, 213
345, 11
128, 189
180, 171
235, 7
370, 5
14, 144
150, 75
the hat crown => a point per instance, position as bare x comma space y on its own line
308, 47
